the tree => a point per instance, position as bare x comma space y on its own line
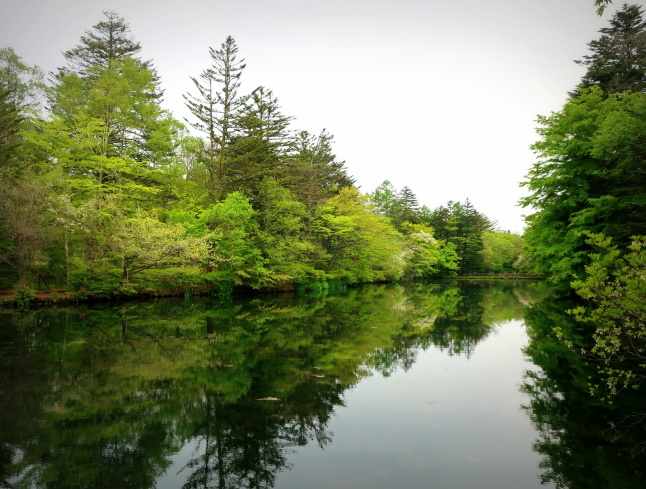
463, 226
144, 242
110, 41
24, 85
408, 202
427, 257
589, 178
215, 106
386, 200
360, 243
9, 127
312, 171
24, 234
234, 254
617, 60
258, 148
501, 251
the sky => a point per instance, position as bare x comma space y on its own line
437, 95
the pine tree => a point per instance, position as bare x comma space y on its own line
214, 107
109, 41
618, 59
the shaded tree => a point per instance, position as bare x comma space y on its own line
313, 172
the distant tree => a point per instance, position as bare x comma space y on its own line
617, 60
214, 107
408, 202
387, 201
360, 243
463, 226
501, 251
109, 41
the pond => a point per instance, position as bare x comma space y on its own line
400, 385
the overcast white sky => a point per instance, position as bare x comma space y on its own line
437, 95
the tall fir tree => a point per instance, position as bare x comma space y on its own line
214, 107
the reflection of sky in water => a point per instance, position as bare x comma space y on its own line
449, 422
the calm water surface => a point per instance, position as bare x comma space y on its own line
415, 386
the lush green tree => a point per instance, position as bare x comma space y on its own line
501, 251
386, 200
282, 234
589, 178
426, 256
362, 245
616, 63
143, 242
234, 253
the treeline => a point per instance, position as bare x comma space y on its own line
104, 192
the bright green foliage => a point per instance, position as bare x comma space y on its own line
615, 288
590, 178
143, 243
386, 201
282, 232
427, 257
362, 245
233, 252
501, 251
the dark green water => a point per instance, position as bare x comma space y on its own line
405, 386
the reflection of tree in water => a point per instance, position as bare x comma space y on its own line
112, 393
245, 444
450, 318
585, 443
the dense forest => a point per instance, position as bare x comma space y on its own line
105, 193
